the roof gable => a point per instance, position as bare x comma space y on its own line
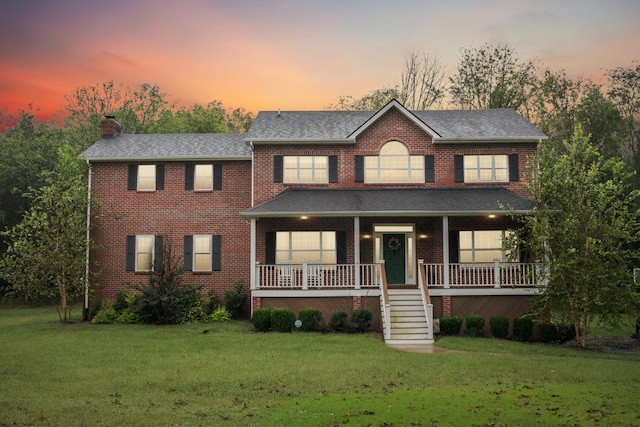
393, 104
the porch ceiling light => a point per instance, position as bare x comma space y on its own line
492, 216
304, 217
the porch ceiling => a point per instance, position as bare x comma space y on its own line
391, 202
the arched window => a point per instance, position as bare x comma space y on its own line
394, 164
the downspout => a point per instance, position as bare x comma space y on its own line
85, 312
253, 165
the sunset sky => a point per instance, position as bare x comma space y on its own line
287, 54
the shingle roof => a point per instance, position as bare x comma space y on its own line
450, 125
390, 202
153, 147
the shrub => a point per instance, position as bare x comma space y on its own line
211, 303
311, 319
220, 314
361, 320
474, 325
94, 307
522, 327
282, 319
450, 325
235, 299
261, 319
499, 326
339, 321
566, 332
193, 305
106, 315
548, 332
128, 316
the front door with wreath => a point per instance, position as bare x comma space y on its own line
393, 253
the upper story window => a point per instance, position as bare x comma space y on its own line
146, 177
203, 177
306, 169
202, 252
486, 168
482, 246
394, 165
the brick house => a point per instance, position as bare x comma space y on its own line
400, 211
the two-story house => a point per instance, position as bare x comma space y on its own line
400, 211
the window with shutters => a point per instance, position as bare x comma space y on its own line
202, 252
203, 177
394, 165
306, 169
486, 168
299, 246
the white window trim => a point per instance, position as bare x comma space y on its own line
195, 253
493, 168
195, 178
138, 178
137, 253
297, 169
473, 250
321, 250
379, 170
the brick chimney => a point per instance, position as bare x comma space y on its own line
109, 127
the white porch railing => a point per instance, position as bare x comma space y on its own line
485, 275
316, 276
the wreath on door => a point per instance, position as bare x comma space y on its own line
394, 244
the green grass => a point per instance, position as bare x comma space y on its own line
83, 374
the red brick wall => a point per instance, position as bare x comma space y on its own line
392, 126
173, 213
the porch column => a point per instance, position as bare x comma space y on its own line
445, 249
356, 249
253, 254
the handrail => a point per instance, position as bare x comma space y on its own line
426, 298
386, 307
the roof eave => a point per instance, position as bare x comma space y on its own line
164, 159
247, 214
527, 139
288, 141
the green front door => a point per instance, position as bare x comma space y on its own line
393, 253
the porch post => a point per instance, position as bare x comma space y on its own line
356, 249
445, 249
253, 284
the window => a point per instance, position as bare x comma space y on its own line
300, 246
143, 251
202, 252
146, 177
203, 177
486, 168
305, 169
482, 246
394, 164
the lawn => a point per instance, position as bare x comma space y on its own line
225, 374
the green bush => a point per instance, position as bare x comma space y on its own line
282, 319
94, 307
566, 332
311, 319
522, 327
548, 332
128, 316
361, 320
499, 326
106, 315
261, 319
450, 325
220, 314
235, 300
339, 321
474, 325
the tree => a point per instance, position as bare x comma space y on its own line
492, 77
371, 101
423, 83
45, 259
583, 228
212, 118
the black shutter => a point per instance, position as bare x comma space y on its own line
216, 264
270, 247
333, 168
341, 247
188, 253
429, 168
159, 177
514, 169
132, 179
217, 176
277, 168
131, 253
158, 252
359, 168
189, 174
454, 247
458, 167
